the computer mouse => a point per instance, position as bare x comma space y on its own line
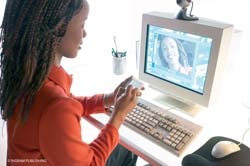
224, 148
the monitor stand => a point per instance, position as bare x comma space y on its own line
169, 102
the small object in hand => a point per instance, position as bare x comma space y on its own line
135, 83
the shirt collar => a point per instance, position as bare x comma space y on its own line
59, 76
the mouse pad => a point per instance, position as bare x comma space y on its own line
240, 158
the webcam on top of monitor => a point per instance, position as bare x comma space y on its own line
183, 15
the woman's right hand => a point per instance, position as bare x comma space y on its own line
125, 101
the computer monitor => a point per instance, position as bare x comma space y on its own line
183, 59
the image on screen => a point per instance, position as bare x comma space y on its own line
177, 57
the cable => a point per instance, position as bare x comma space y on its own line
243, 137
249, 121
248, 107
190, 13
248, 129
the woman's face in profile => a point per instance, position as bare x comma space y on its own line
71, 41
170, 51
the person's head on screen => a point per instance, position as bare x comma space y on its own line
172, 55
35, 35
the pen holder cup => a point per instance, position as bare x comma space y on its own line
119, 64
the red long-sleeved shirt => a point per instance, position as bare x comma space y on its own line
52, 134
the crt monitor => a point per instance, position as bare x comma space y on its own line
183, 59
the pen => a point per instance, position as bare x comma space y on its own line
124, 54
114, 53
114, 37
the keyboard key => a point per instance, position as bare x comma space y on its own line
162, 128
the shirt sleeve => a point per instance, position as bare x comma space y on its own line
91, 104
60, 137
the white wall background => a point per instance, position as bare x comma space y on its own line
123, 19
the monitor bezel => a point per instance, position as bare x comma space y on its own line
219, 32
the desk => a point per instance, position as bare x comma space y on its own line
227, 117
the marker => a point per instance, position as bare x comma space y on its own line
113, 52
124, 54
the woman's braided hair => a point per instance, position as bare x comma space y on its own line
30, 33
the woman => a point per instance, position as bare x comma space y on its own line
173, 56
43, 117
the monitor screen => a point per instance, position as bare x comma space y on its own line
183, 59
177, 57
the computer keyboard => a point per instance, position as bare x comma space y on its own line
161, 126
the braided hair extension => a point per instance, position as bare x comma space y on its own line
30, 33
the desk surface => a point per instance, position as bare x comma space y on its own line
227, 117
